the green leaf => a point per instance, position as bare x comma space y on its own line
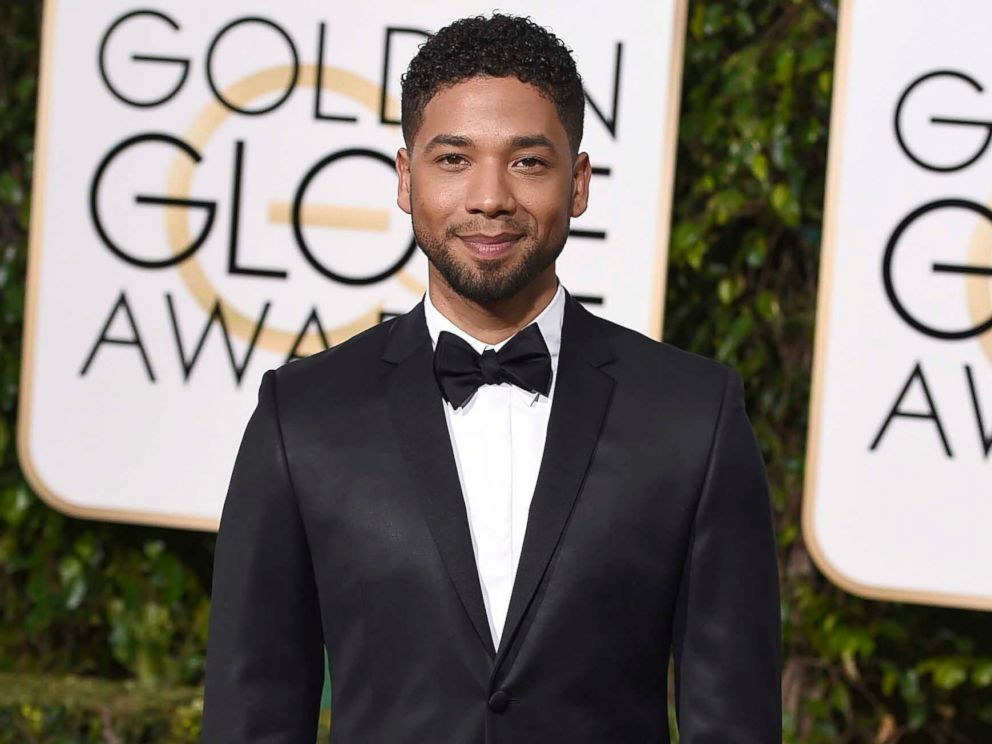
744, 23
740, 329
785, 61
725, 204
949, 675
4, 439
824, 81
981, 675
785, 204
759, 167
713, 19
725, 290
755, 248
768, 305
890, 679
687, 245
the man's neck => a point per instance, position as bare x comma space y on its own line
496, 321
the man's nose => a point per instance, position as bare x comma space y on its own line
489, 191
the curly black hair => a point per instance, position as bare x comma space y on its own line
498, 46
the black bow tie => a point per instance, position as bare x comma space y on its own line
524, 361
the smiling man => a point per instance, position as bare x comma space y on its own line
499, 513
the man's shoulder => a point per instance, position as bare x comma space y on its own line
642, 355
655, 376
341, 365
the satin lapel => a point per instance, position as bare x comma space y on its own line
417, 412
581, 398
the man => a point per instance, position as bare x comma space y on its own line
498, 512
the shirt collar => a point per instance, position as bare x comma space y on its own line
549, 321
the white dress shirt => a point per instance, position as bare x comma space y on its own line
498, 440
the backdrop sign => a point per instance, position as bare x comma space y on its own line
899, 473
215, 195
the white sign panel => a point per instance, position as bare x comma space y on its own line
899, 473
215, 195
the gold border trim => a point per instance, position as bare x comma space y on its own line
824, 293
669, 146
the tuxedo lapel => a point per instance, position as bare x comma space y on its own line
416, 408
581, 398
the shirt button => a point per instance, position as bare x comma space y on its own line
499, 701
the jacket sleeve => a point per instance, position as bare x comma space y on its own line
727, 626
265, 664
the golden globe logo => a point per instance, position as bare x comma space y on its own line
896, 500
241, 99
215, 194
913, 304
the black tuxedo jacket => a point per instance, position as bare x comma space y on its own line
650, 531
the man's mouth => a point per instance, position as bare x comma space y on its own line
490, 246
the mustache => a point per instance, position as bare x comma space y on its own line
508, 225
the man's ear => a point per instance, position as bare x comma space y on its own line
581, 173
403, 182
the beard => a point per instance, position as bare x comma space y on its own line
490, 281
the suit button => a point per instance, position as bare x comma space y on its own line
499, 701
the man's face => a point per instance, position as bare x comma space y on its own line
491, 185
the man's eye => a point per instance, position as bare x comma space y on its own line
451, 159
530, 163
